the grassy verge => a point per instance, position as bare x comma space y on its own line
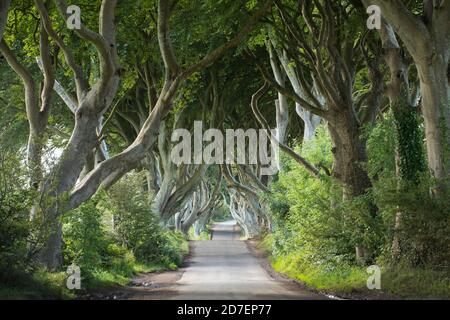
351, 281
38, 285
204, 235
102, 280
122, 275
45, 285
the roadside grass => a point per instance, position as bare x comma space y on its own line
204, 235
266, 243
344, 279
46, 285
101, 280
41, 284
397, 281
414, 283
120, 275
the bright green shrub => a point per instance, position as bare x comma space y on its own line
424, 231
137, 228
88, 245
316, 232
310, 217
15, 203
115, 234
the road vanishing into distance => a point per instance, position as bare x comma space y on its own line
223, 268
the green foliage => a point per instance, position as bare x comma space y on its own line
316, 232
312, 219
37, 285
115, 235
424, 230
15, 202
409, 143
342, 278
347, 280
381, 149
137, 228
88, 245
204, 235
408, 282
221, 214
19, 276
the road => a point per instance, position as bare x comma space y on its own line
225, 269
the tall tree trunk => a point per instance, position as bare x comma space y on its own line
200, 224
349, 151
310, 120
435, 90
349, 154
427, 39
4, 7
410, 160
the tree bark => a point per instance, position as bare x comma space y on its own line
4, 8
428, 42
349, 154
95, 100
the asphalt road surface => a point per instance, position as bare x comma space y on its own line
225, 269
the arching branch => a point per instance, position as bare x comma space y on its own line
263, 122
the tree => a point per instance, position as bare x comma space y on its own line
427, 38
317, 38
67, 189
4, 7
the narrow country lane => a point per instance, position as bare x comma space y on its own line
220, 269
225, 269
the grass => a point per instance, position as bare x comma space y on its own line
45, 285
204, 235
106, 279
398, 281
39, 285
344, 279
421, 282
122, 275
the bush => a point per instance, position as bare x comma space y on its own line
316, 232
114, 235
88, 245
15, 202
310, 217
138, 229
424, 229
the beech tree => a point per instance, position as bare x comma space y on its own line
65, 191
114, 99
4, 7
427, 39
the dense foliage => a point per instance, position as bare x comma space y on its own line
316, 233
110, 237
89, 119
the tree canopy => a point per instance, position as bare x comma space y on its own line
356, 120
